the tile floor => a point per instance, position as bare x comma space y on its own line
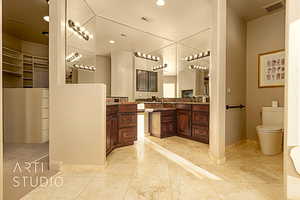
16, 158
140, 173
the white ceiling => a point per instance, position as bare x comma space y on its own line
250, 9
176, 20
24, 19
133, 41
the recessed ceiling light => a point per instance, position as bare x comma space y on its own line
160, 2
112, 41
46, 18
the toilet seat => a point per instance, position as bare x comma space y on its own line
269, 129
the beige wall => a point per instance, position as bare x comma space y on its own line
172, 80
122, 74
235, 77
76, 112
263, 35
103, 72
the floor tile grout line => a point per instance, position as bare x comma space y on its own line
185, 164
84, 187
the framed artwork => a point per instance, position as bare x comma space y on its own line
271, 69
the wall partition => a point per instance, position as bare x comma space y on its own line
76, 111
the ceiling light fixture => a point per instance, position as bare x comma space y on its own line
79, 30
198, 67
73, 57
48, 1
160, 2
85, 67
112, 41
160, 67
46, 18
148, 57
197, 56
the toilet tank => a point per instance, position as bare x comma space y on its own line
272, 116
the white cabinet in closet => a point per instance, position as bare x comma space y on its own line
28, 108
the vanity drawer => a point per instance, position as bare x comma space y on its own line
128, 108
200, 118
168, 113
204, 108
168, 118
127, 119
200, 133
127, 135
184, 106
111, 109
169, 105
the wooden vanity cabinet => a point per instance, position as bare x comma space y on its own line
121, 126
168, 123
127, 118
111, 128
183, 120
200, 123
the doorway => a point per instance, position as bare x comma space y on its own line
25, 96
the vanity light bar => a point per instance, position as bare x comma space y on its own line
197, 56
148, 57
73, 57
85, 67
81, 31
160, 67
198, 67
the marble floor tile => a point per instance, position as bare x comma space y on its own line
139, 172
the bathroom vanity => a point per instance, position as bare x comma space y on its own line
189, 120
121, 125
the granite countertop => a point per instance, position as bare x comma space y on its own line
197, 103
158, 109
120, 103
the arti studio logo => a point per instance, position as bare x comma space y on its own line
30, 174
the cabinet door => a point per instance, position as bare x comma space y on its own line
168, 129
183, 122
114, 131
127, 120
200, 118
108, 134
200, 133
127, 135
153, 81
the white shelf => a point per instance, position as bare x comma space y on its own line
12, 64
27, 68
12, 57
12, 72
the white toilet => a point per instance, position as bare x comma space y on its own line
270, 133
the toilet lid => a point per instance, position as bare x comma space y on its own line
270, 128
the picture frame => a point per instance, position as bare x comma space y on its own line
271, 69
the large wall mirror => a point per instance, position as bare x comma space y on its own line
103, 51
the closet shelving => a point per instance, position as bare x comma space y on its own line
12, 62
23, 70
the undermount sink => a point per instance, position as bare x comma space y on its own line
295, 155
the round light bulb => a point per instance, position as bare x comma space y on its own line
160, 2
46, 18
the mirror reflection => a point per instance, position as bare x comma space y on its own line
134, 63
